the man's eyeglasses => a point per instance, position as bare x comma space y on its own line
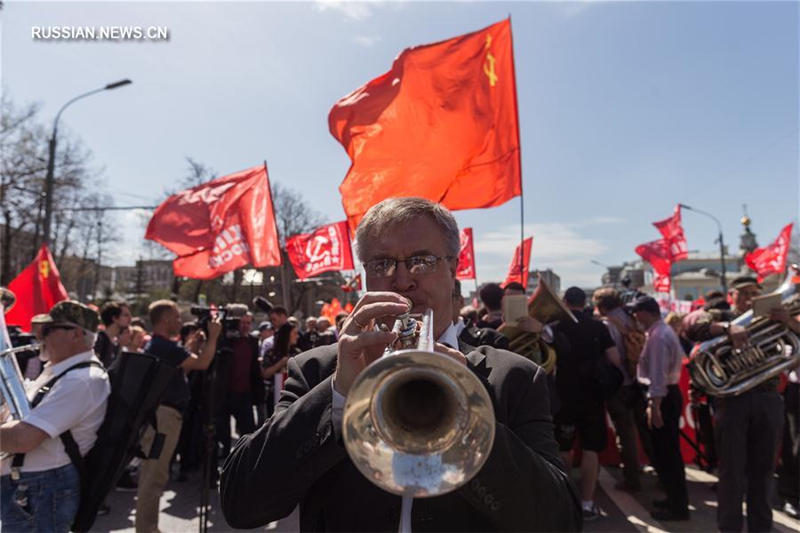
47, 329
416, 265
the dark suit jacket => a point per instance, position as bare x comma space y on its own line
295, 457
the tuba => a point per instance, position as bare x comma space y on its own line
721, 370
545, 307
417, 423
12, 388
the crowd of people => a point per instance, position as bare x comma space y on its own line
284, 381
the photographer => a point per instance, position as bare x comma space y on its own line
239, 381
154, 474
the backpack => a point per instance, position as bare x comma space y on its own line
138, 380
633, 340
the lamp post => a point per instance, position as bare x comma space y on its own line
51, 160
723, 277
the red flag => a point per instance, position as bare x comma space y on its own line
325, 249
348, 308
219, 226
37, 288
466, 257
771, 259
441, 124
513, 269
672, 231
659, 255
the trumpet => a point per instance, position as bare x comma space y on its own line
417, 423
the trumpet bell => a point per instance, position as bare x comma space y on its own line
418, 423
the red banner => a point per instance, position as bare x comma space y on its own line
658, 254
219, 226
466, 257
672, 231
455, 97
771, 259
37, 288
513, 269
326, 249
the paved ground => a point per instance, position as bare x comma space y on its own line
623, 512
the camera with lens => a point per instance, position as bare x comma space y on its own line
230, 316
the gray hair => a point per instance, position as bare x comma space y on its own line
394, 211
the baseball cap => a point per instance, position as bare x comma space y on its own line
73, 313
265, 325
744, 281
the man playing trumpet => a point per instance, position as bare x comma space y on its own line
409, 247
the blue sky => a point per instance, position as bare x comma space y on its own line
625, 108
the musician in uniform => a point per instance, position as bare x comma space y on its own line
42, 493
409, 247
746, 426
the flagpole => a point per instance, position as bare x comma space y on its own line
284, 281
519, 158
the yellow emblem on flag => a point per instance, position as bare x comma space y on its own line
488, 65
44, 268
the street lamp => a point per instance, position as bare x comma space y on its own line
51, 161
723, 278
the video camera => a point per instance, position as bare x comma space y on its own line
230, 321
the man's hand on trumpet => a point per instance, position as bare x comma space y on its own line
359, 342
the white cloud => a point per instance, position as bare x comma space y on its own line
558, 246
352, 10
365, 41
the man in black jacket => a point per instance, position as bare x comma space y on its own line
409, 247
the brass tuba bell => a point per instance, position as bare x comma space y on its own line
418, 423
719, 369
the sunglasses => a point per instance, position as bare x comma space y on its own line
416, 265
47, 329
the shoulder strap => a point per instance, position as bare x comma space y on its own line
19, 459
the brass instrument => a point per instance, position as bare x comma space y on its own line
418, 423
721, 370
12, 388
545, 307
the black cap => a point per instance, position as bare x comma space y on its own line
744, 281
648, 304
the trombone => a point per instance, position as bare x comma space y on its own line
417, 423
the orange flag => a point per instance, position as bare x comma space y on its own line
441, 124
37, 288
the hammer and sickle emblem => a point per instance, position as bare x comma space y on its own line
44, 269
314, 249
488, 66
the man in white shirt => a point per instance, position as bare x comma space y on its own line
42, 493
660, 368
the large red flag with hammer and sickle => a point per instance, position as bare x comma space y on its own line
441, 124
219, 226
326, 249
37, 288
466, 257
771, 259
